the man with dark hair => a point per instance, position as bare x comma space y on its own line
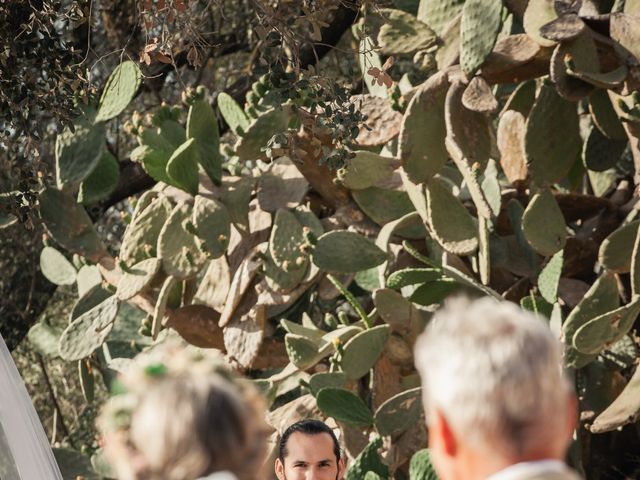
309, 450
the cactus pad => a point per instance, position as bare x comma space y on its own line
286, 242
322, 380
382, 120
552, 138
412, 276
368, 461
303, 352
581, 54
604, 116
543, 224
182, 167
451, 224
260, 131
538, 14
368, 58
134, 280
88, 277
56, 268
344, 406
616, 250
198, 325
513, 160
69, 224
399, 413
550, 277
421, 141
202, 126
79, 152
600, 153
154, 162
439, 13
342, 251
101, 182
481, 21
433, 292
366, 169
420, 467
160, 308
233, 114
282, 187
142, 233
363, 350
212, 225
88, 331
402, 33
624, 409
120, 89
181, 255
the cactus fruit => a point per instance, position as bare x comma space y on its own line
362, 351
552, 138
399, 26
616, 250
543, 224
69, 224
78, 152
604, 116
178, 249
120, 89
399, 413
202, 126
182, 167
550, 277
481, 22
56, 268
600, 153
88, 331
421, 141
342, 251
137, 277
344, 406
366, 169
439, 13
212, 225
101, 181
537, 14
233, 114
450, 222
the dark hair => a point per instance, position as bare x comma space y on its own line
308, 427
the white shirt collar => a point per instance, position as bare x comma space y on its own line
537, 467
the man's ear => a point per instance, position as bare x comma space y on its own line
279, 469
341, 468
440, 431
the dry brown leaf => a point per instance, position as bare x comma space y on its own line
241, 285
244, 333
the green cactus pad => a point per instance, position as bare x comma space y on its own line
552, 138
397, 311
311, 332
481, 22
181, 255
286, 241
402, 33
625, 408
464, 279
322, 380
616, 250
604, 116
550, 276
44, 338
434, 292
344, 406
342, 251
362, 351
88, 300
232, 113
399, 413
600, 153
69, 224
303, 352
250, 145
449, 51
600, 299
56, 268
308, 219
366, 169
153, 161
451, 224
582, 54
182, 167
420, 467
537, 14
522, 98
635, 266
368, 460
120, 89
160, 308
88, 331
212, 225
142, 233
134, 280
412, 276
202, 126
543, 224
281, 280
79, 152
595, 335
101, 182
88, 277
421, 142
613, 79
439, 13
384, 206
237, 196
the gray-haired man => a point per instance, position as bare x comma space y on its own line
496, 402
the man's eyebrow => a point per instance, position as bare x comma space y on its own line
326, 460
299, 462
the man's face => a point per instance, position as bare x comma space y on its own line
310, 457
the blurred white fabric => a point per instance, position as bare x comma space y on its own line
25, 453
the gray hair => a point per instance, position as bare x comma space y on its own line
494, 372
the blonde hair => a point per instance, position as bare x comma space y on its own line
184, 420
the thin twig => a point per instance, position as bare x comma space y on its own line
54, 399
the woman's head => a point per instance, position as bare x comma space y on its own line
183, 420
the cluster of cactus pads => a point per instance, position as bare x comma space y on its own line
510, 172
